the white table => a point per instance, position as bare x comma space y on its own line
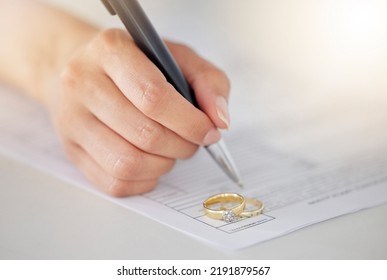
42, 217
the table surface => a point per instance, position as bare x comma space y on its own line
42, 217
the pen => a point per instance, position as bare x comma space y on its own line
147, 39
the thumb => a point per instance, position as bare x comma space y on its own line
210, 84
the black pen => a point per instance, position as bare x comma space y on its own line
147, 39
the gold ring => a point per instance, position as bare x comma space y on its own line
227, 214
258, 208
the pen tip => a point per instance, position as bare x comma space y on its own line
240, 184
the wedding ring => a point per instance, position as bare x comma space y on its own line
227, 214
257, 208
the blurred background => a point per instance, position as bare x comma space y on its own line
297, 67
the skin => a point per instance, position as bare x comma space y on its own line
121, 123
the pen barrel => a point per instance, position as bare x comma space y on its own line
148, 40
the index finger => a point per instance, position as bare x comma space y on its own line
146, 87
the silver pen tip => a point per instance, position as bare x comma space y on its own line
220, 154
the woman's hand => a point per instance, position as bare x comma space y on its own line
122, 124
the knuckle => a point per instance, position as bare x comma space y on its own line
116, 187
149, 136
125, 166
111, 38
69, 77
151, 98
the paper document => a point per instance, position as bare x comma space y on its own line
299, 186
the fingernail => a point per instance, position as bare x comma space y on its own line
211, 137
222, 110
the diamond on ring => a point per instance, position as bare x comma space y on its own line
229, 216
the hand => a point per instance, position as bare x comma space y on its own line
122, 124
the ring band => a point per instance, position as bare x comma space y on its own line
227, 214
258, 208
